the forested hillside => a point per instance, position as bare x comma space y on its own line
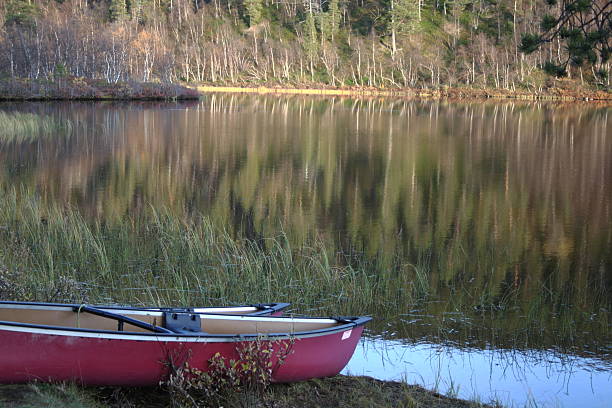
507, 44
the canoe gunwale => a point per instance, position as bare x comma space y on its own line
348, 324
261, 308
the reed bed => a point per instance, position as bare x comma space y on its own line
50, 252
159, 258
18, 127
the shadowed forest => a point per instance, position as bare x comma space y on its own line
509, 44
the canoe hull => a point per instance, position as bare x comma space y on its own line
30, 354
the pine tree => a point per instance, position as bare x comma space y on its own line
20, 13
254, 10
311, 45
334, 18
329, 21
136, 10
117, 10
585, 26
403, 18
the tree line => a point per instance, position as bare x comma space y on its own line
376, 43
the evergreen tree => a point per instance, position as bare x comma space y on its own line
585, 26
117, 10
403, 18
334, 18
329, 21
254, 10
20, 13
311, 45
136, 10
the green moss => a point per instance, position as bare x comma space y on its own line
46, 396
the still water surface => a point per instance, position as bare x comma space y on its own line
514, 378
495, 217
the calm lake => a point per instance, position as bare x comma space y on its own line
490, 221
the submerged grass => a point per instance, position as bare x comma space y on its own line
18, 127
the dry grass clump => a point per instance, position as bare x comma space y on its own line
18, 127
15, 285
11, 287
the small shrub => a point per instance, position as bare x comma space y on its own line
63, 289
226, 379
14, 285
11, 286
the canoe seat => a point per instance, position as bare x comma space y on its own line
182, 322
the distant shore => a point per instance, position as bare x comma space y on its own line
75, 88
556, 93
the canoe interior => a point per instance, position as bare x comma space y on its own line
226, 310
213, 324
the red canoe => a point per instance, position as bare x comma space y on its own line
96, 347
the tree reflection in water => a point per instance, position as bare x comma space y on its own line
498, 214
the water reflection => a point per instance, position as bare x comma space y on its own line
515, 378
501, 212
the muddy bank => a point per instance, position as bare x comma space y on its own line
339, 391
74, 88
559, 92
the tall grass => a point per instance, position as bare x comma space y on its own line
159, 258
18, 127
162, 259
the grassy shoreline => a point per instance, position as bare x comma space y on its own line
76, 88
340, 391
557, 93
